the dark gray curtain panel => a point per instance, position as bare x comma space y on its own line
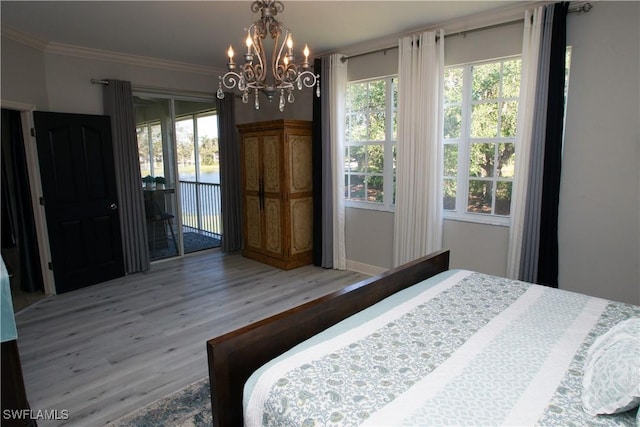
539, 262
230, 190
317, 150
325, 169
548, 250
118, 103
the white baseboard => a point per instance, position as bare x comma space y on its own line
360, 267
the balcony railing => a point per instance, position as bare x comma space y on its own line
201, 207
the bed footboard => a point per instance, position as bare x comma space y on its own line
234, 356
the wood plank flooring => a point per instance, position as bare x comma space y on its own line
106, 350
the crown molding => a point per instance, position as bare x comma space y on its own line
56, 48
23, 38
125, 58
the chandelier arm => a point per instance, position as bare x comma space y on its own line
308, 79
231, 79
278, 69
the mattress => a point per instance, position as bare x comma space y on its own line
461, 348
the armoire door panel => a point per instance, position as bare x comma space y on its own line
300, 163
272, 226
252, 163
301, 225
271, 163
253, 226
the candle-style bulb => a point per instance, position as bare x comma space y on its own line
289, 42
230, 53
249, 42
306, 52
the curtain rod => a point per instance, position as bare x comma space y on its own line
584, 7
99, 82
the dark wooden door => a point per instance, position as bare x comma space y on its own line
80, 198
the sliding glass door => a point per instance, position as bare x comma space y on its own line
178, 149
199, 174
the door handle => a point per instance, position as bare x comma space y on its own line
113, 206
261, 193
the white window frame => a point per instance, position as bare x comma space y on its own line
464, 143
389, 145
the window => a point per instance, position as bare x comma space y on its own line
479, 133
370, 143
198, 162
150, 148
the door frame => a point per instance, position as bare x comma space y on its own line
35, 184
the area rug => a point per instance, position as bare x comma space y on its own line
188, 407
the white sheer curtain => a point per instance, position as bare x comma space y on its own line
531, 42
335, 82
418, 216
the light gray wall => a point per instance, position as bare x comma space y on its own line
23, 74
599, 195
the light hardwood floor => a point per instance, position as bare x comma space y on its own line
106, 350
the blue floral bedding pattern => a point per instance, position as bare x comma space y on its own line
450, 356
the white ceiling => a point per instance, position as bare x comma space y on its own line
199, 32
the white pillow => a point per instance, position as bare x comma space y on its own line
611, 382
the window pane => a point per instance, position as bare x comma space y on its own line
375, 189
377, 95
395, 151
449, 194
503, 198
357, 96
486, 81
506, 160
356, 187
450, 159
158, 157
186, 150
376, 127
356, 127
453, 85
357, 159
452, 121
350, 162
484, 120
375, 161
509, 119
395, 110
208, 149
143, 150
479, 199
511, 78
481, 160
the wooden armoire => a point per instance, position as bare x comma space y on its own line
277, 192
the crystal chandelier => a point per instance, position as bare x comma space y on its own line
252, 75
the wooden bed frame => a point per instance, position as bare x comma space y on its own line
234, 356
